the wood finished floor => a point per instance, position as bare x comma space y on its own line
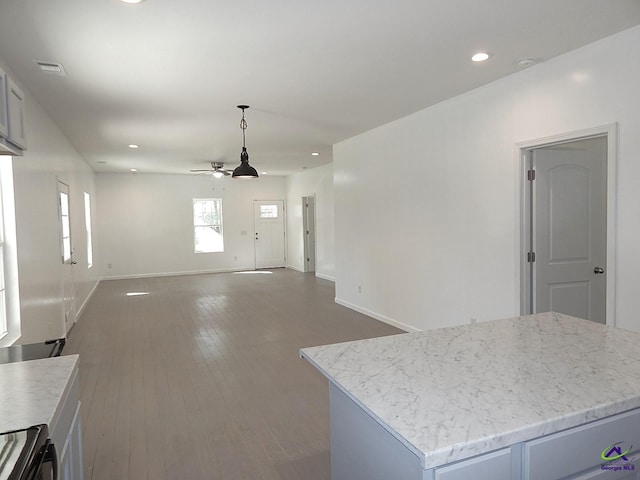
192, 381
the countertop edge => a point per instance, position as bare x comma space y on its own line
421, 456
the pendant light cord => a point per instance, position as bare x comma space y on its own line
243, 126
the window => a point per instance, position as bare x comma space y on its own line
268, 211
9, 300
207, 225
3, 304
87, 225
66, 226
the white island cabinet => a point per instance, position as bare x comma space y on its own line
539, 397
46, 391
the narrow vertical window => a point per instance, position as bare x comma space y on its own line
3, 302
66, 226
87, 225
207, 225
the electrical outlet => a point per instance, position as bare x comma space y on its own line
359, 288
108, 265
474, 320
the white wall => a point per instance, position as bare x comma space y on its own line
319, 182
146, 222
432, 240
49, 157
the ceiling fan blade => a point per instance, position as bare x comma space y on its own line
208, 170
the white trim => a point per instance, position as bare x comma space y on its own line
610, 131
326, 277
377, 316
86, 300
178, 274
294, 267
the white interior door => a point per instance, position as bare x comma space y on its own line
269, 233
68, 286
568, 229
309, 232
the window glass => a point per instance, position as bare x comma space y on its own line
87, 224
66, 230
207, 225
268, 211
3, 309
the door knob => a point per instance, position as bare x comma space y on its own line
598, 270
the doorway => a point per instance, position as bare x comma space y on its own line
269, 239
566, 253
68, 286
309, 232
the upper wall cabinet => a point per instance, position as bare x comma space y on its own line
12, 117
4, 123
15, 103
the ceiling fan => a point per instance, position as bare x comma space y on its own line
217, 170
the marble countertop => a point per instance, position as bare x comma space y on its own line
30, 392
453, 393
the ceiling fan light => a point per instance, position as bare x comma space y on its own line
218, 174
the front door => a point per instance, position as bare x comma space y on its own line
68, 287
569, 229
269, 233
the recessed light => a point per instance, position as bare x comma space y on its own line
132, 1
315, 154
265, 173
480, 57
133, 145
133, 170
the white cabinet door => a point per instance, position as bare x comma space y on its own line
490, 466
16, 115
4, 122
70, 461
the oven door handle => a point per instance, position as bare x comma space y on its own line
52, 456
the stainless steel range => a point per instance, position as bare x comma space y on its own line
28, 454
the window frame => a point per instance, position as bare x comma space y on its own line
200, 222
87, 225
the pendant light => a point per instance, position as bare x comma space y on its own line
244, 170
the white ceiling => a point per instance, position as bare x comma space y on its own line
168, 74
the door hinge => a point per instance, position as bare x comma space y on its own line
531, 175
531, 257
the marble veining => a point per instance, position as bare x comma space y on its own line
31, 391
452, 393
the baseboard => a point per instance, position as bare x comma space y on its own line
377, 316
326, 277
297, 269
176, 274
86, 300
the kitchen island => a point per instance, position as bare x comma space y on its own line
537, 397
45, 391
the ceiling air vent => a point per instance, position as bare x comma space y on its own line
52, 68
